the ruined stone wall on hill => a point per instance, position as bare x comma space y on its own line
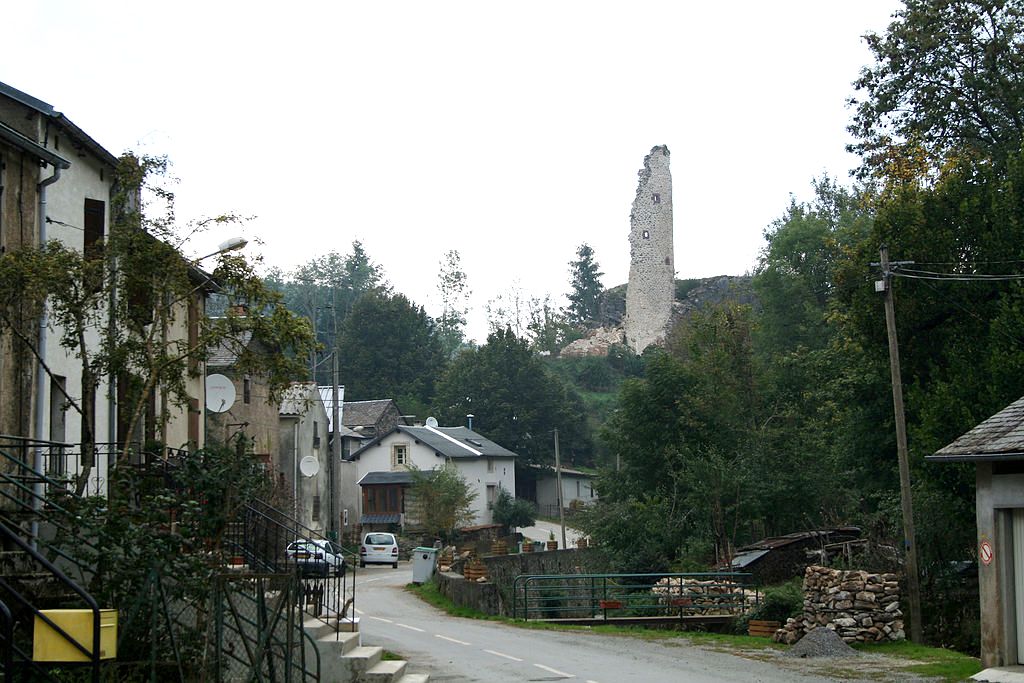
651, 288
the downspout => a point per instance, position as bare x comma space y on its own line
38, 465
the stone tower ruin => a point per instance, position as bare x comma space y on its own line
651, 288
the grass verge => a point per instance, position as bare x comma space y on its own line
935, 662
917, 660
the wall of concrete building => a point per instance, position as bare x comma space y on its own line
997, 496
651, 288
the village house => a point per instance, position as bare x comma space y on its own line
304, 457
383, 465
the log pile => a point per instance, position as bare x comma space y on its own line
858, 606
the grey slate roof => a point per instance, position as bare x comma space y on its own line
354, 413
1000, 437
401, 477
451, 442
224, 354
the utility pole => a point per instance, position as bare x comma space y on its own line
332, 525
558, 482
909, 542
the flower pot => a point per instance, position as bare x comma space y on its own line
552, 545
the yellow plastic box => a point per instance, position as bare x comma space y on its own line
49, 645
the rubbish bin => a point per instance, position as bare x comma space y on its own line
423, 562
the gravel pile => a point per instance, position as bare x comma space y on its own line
822, 642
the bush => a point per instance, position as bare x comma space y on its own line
513, 512
781, 602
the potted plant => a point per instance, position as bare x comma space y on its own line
552, 543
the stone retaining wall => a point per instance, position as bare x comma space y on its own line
858, 606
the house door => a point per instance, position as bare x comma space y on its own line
1018, 579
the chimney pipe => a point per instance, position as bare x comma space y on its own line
469, 421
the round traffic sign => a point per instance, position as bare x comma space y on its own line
985, 552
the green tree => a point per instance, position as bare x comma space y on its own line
389, 349
134, 293
451, 283
585, 288
512, 512
516, 401
444, 500
324, 290
946, 82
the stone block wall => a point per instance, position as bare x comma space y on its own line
858, 606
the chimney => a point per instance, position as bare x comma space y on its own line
469, 421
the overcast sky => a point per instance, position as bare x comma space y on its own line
512, 132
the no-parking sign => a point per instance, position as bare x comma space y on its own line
985, 552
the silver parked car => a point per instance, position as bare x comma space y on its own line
317, 557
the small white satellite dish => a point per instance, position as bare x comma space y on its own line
220, 393
309, 466
431, 421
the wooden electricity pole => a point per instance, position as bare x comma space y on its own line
558, 482
909, 542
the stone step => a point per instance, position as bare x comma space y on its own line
346, 642
361, 659
384, 672
414, 678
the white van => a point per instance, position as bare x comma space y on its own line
379, 548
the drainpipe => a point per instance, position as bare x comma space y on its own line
38, 466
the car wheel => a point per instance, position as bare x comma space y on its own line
394, 566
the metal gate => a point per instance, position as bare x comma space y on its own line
257, 630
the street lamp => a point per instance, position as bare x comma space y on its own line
230, 244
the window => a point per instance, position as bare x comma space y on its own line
316, 508
490, 465
316, 434
656, 197
246, 390
399, 455
647, 234
492, 495
95, 211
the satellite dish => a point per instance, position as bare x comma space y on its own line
309, 466
431, 421
220, 393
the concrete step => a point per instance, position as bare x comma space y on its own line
361, 659
346, 642
414, 678
384, 672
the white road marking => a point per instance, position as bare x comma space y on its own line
555, 671
500, 654
451, 640
386, 621
411, 628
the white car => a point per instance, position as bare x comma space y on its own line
316, 556
379, 548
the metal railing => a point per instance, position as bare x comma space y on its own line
13, 654
261, 538
608, 596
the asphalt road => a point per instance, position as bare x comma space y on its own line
461, 650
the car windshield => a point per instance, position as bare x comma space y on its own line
379, 539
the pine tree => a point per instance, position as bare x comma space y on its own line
585, 280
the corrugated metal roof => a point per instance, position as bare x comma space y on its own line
999, 437
297, 398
